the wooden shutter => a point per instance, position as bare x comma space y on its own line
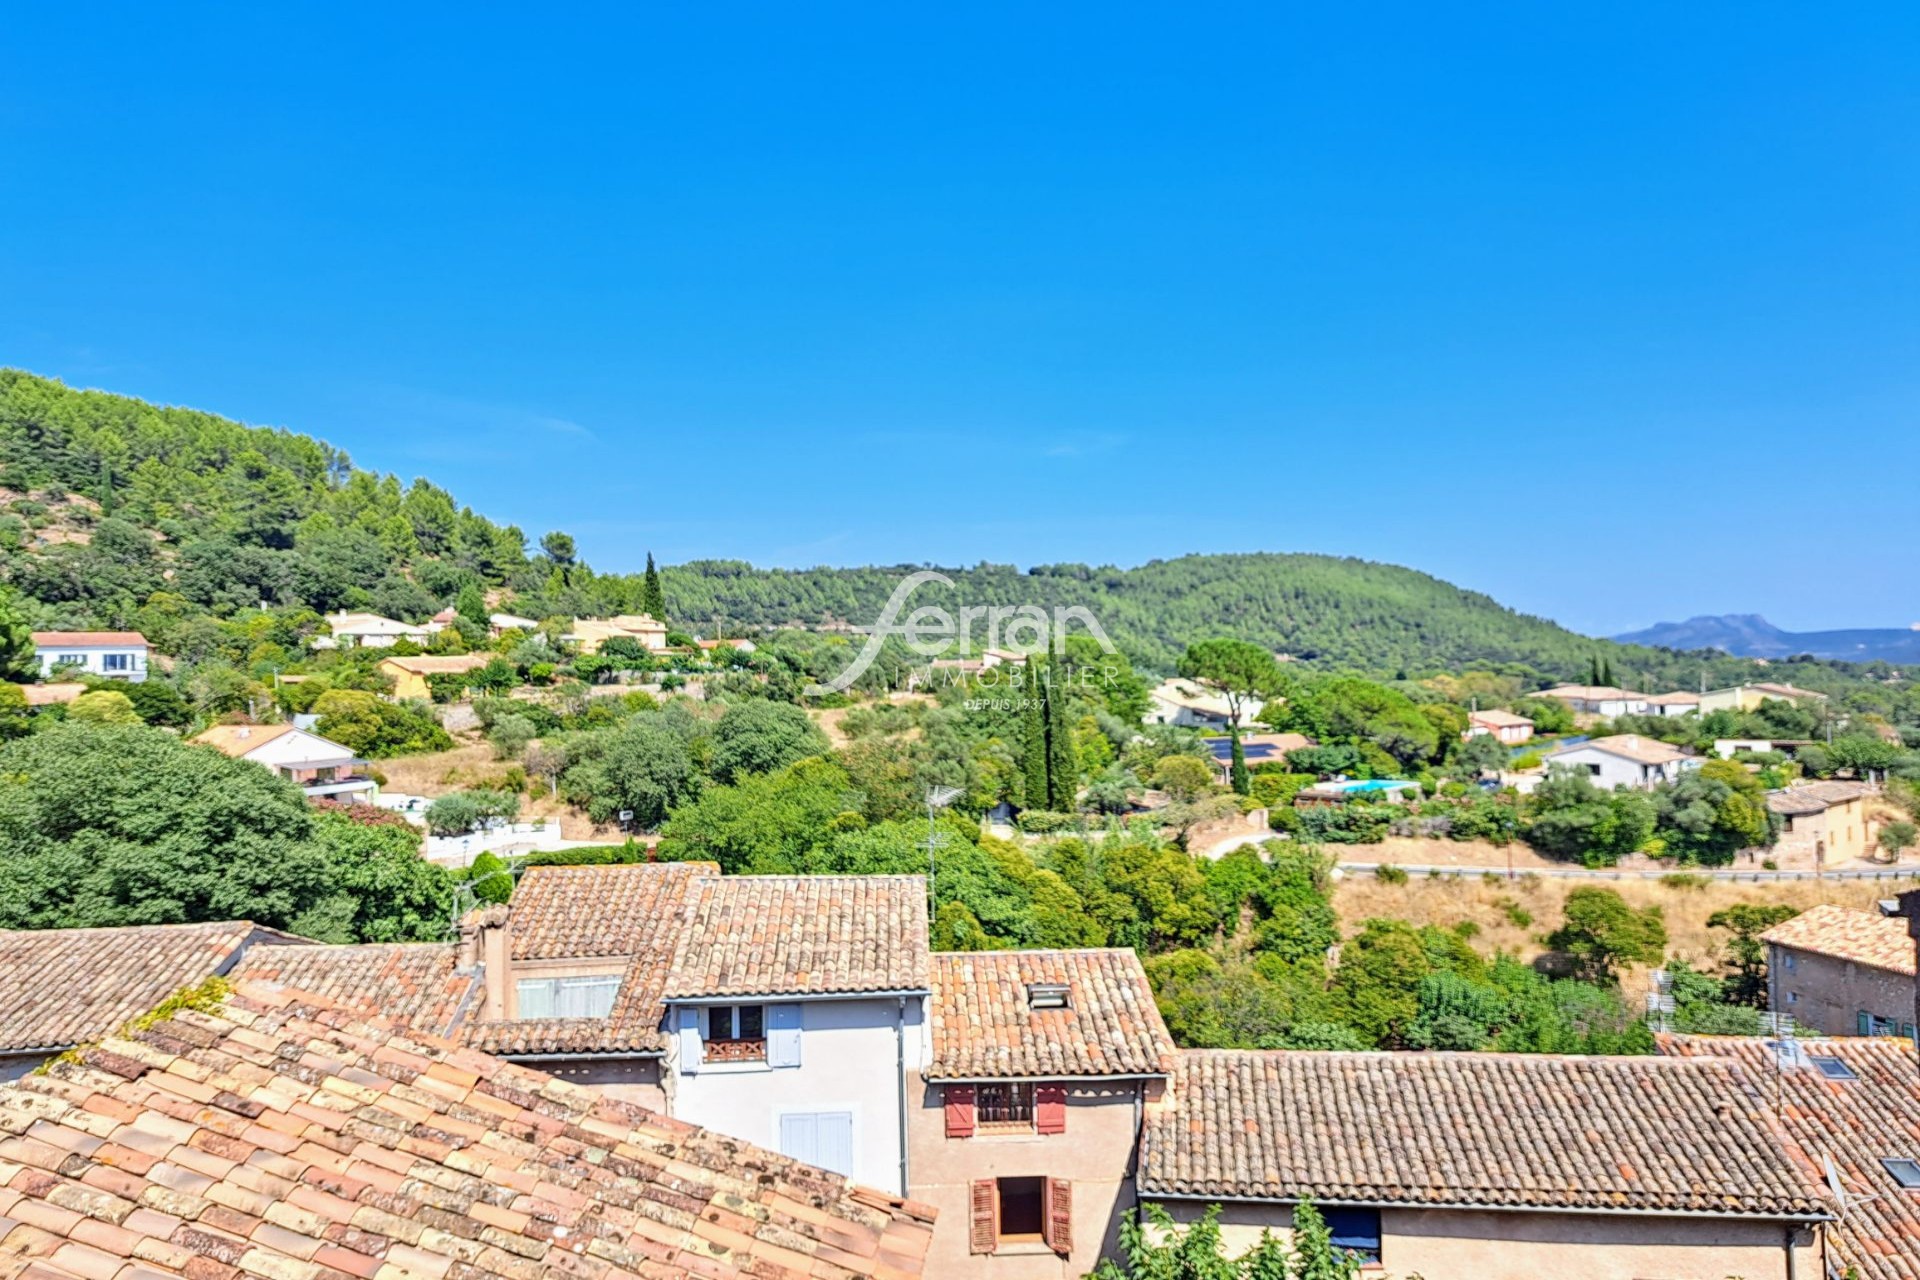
986, 1217
1050, 1108
691, 1047
960, 1110
783, 1035
1056, 1222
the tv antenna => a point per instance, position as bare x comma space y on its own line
938, 798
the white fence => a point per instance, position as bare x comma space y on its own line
515, 837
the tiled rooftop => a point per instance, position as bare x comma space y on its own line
416, 983
802, 935
572, 913
284, 1138
983, 1027
1497, 1130
1864, 937
59, 987
1857, 1123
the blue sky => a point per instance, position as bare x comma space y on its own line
1610, 311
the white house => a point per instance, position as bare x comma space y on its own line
1598, 700
117, 655
1678, 703
351, 630
1625, 760
1196, 706
322, 768
1504, 726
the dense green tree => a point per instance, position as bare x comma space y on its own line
644, 768
491, 879
1744, 923
1711, 813
375, 728
1601, 932
759, 736
1568, 817
103, 706
1063, 762
653, 598
17, 660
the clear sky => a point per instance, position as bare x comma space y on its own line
1607, 310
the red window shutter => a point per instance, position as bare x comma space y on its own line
1058, 1220
985, 1235
1050, 1108
960, 1110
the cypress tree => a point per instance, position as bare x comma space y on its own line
653, 599
1033, 760
1242, 780
1063, 762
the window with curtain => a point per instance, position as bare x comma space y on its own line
585, 997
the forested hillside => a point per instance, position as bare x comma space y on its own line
116, 512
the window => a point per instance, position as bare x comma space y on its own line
71, 660
1831, 1067
1022, 1213
1789, 961
1355, 1230
823, 1139
116, 662
586, 997
1046, 995
1004, 1106
736, 1033
1793, 997
1905, 1172
1593, 770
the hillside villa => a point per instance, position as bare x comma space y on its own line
1748, 697
113, 655
321, 768
1258, 748
590, 633
1194, 705
361, 630
1597, 700
1506, 727
1842, 972
1678, 703
409, 674
1625, 760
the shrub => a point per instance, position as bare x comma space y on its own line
1387, 873
601, 855
1683, 880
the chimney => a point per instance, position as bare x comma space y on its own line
485, 935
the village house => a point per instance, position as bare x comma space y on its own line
1625, 760
1842, 972
1506, 727
114, 655
323, 769
1597, 700
63, 987
1193, 705
1852, 1104
361, 630
1748, 697
1678, 703
298, 1139
1823, 823
590, 633
1025, 1124
409, 674
1496, 1166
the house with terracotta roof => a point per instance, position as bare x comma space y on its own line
1505, 727
1194, 705
1842, 972
114, 655
281, 1136
1822, 823
1597, 700
1026, 1120
1624, 760
63, 987
410, 674
321, 767
1677, 703
1851, 1105
590, 633
349, 629
786, 1010
1748, 697
1495, 1166
1256, 748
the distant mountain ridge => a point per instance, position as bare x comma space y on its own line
1748, 635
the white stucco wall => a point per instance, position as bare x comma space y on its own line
849, 1061
93, 659
298, 747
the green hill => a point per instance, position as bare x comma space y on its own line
117, 512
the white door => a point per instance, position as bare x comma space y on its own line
823, 1138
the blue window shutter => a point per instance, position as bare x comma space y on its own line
1865, 1023
783, 1035
691, 1049
800, 1137
820, 1138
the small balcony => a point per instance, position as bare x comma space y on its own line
734, 1051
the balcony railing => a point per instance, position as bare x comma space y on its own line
736, 1051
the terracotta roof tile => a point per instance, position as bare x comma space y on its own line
1629, 746
983, 1027
1501, 1130
59, 987
239, 739
1864, 937
1816, 797
87, 639
1857, 1123
416, 983
802, 935
439, 664
570, 913
410, 1156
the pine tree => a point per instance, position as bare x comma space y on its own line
1033, 760
17, 660
1242, 780
1063, 762
653, 599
